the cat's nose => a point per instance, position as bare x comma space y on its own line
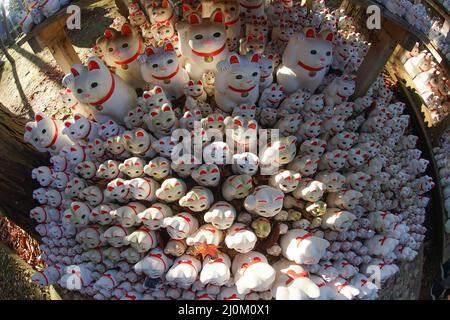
249, 81
163, 68
117, 53
86, 95
209, 41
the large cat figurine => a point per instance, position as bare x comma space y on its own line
160, 66
108, 95
203, 43
306, 60
121, 51
238, 82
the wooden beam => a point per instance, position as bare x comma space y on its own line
62, 50
374, 62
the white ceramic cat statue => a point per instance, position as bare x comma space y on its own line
306, 60
160, 66
238, 82
108, 95
203, 43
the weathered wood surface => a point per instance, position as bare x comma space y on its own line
17, 159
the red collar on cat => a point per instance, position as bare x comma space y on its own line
247, 6
209, 54
89, 131
169, 76
134, 57
230, 23
306, 67
241, 90
55, 135
108, 95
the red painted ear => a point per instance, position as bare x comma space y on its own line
310, 33
261, 38
199, 82
238, 122
190, 83
185, 7
234, 59
74, 72
165, 4
199, 8
76, 207
329, 36
217, 16
194, 18
158, 90
108, 34
127, 137
119, 183
153, 114
147, 95
252, 125
140, 134
29, 129
93, 65
126, 29
67, 124
250, 38
77, 117
255, 58
149, 51
169, 47
167, 108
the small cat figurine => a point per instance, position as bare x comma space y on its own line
203, 43
306, 60
69, 101
161, 13
121, 50
108, 95
160, 66
238, 83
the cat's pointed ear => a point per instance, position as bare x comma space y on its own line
199, 7
217, 16
110, 33
149, 51
255, 58
234, 59
185, 7
310, 33
93, 64
168, 47
194, 18
327, 35
126, 29
74, 72
165, 4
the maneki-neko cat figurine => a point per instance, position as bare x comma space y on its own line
161, 67
95, 85
121, 51
306, 60
203, 43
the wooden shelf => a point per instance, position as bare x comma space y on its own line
61, 14
437, 7
413, 102
415, 33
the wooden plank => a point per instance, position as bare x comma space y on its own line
374, 62
62, 50
62, 13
